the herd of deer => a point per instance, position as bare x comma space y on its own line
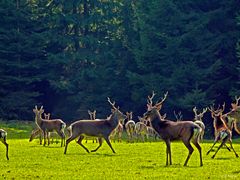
152, 123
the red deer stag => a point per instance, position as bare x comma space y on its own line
100, 128
186, 131
198, 119
3, 138
222, 132
49, 125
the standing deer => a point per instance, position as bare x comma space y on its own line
100, 128
38, 132
186, 131
49, 125
130, 127
222, 132
198, 119
3, 138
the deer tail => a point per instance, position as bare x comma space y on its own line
197, 132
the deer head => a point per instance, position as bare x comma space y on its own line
199, 116
235, 106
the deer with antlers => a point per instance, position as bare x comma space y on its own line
49, 125
3, 138
130, 127
198, 119
100, 128
222, 132
187, 131
232, 118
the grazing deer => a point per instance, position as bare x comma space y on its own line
100, 128
223, 133
49, 125
198, 119
3, 138
186, 131
92, 115
38, 132
130, 127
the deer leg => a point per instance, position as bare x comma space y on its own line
195, 142
81, 137
218, 149
227, 147
100, 144
109, 144
48, 137
40, 137
168, 151
5, 143
190, 151
211, 147
68, 141
62, 135
44, 136
230, 141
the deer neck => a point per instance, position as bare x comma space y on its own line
38, 119
218, 122
113, 120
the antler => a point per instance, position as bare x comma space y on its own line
111, 103
178, 115
149, 100
165, 96
237, 99
195, 111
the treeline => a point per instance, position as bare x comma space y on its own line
70, 55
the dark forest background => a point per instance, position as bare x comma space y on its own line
70, 55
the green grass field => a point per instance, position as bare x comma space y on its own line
131, 161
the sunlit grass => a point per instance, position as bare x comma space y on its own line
132, 161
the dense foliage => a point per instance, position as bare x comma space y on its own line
70, 55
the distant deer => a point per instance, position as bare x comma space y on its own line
49, 125
130, 126
198, 119
3, 138
141, 130
117, 132
223, 133
150, 130
100, 128
186, 131
92, 115
232, 118
38, 132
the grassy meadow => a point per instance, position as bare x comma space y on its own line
29, 160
